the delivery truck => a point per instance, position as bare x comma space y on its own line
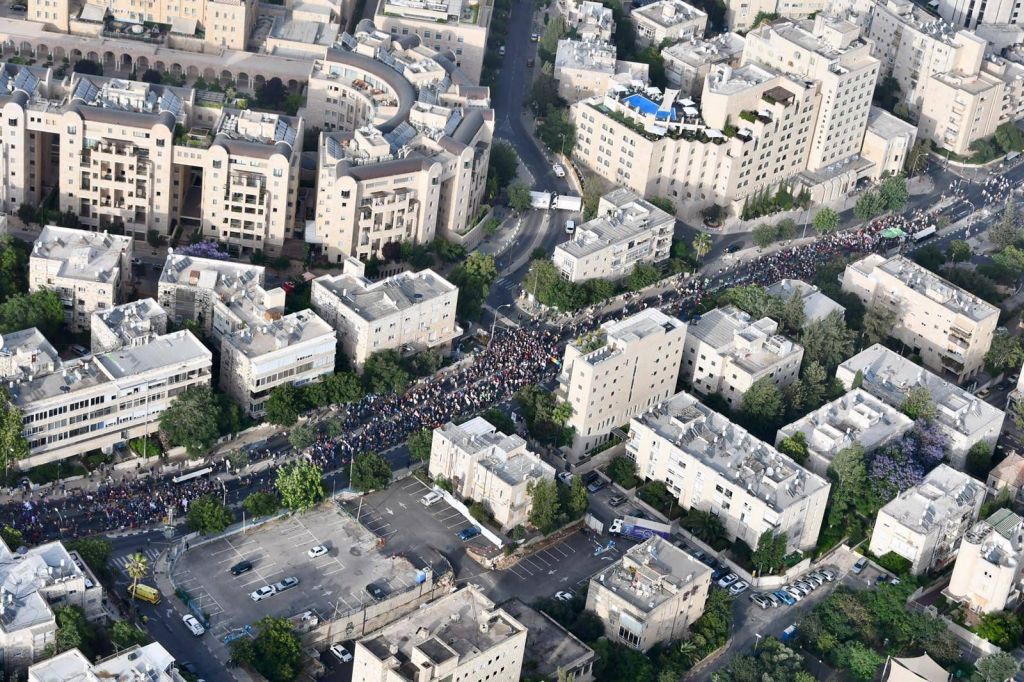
639, 529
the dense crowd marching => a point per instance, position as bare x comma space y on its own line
517, 357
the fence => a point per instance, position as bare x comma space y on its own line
464, 510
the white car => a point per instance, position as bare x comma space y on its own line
193, 624
565, 477
564, 596
318, 551
728, 580
431, 498
341, 653
286, 584
558, 170
263, 593
738, 587
570, 226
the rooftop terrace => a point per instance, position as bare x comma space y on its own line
377, 300
85, 255
630, 217
753, 345
651, 573
290, 330
944, 495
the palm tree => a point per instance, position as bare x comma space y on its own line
702, 244
136, 567
688, 652
705, 526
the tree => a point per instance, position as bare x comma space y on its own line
137, 568
474, 277
340, 388
643, 276
302, 436
259, 504
41, 309
74, 631
702, 245
383, 373
207, 516
284, 405
893, 192
544, 507
850, 484
816, 384
997, 667
918, 404
1010, 259
869, 205
152, 76
1006, 231
88, 67
519, 197
301, 485
578, 501
272, 94
762, 405
275, 652
124, 635
918, 157
13, 446
419, 444
499, 420
191, 420
959, 251
557, 131
1002, 628
795, 446
878, 324
791, 315
825, 221
502, 167
862, 662
553, 32
764, 235
770, 552
95, 551
785, 229
828, 341
1010, 137
1005, 354
705, 526
622, 470
370, 471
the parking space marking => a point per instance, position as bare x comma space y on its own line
339, 569
519, 574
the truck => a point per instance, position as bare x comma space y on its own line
639, 529
145, 593
560, 202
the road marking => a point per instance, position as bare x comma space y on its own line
388, 510
537, 557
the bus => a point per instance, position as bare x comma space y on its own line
145, 593
198, 473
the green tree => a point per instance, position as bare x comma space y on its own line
384, 373
918, 404
622, 470
95, 551
770, 552
498, 419
959, 251
1010, 137
1006, 231
123, 634
192, 420
259, 504
862, 662
930, 257
643, 276
12, 537
850, 485
41, 309
275, 652
764, 235
664, 203
557, 132
301, 485
705, 526
284, 405
13, 446
1010, 259
207, 516
519, 197
74, 631
795, 446
893, 192
419, 444
785, 229
752, 299
553, 32
1005, 354
1002, 628
301, 436
791, 315
370, 471
997, 667
816, 382
828, 341
544, 506
762, 405
137, 568
474, 277
701, 245
578, 501
878, 324
340, 388
825, 221
917, 159
502, 167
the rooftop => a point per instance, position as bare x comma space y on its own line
753, 345
699, 51
447, 11
25, 573
129, 96
1010, 471
887, 126
828, 37
616, 335
24, 353
590, 55
504, 455
133, 323
669, 13
817, 305
85, 255
944, 495
729, 449
222, 276
377, 300
726, 80
889, 376
463, 625
274, 335
258, 127
926, 283
627, 217
550, 646
149, 663
651, 573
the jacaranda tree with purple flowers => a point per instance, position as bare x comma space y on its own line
205, 250
904, 464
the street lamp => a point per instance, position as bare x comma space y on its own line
495, 322
756, 641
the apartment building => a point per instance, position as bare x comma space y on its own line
689, 62
950, 328
627, 231
294, 349
130, 324
458, 27
667, 20
987, 575
817, 306
925, 523
409, 312
151, 663
887, 143
716, 466
1007, 476
490, 467
741, 14
460, 636
857, 418
199, 289
971, 15
727, 351
651, 595
34, 583
551, 650
589, 68
100, 400
89, 271
591, 20
963, 417
26, 353
618, 371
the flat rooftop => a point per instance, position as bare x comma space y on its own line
629, 217
149, 663
137, 97
290, 330
548, 645
668, 13
753, 345
133, 322
651, 573
697, 52
816, 304
725, 80
944, 495
258, 127
586, 55
730, 450
505, 455
23, 575
24, 353
614, 335
885, 125
84, 255
463, 624
177, 348
376, 300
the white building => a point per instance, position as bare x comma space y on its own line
887, 143
925, 524
90, 271
987, 573
591, 20
488, 466
26, 353
671, 20
198, 289
652, 595
149, 663
620, 370
628, 230
950, 328
857, 418
34, 585
100, 400
817, 306
688, 62
727, 351
409, 312
129, 324
460, 636
964, 418
715, 466
589, 68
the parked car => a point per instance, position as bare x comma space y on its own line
534, 37
828, 574
761, 600
263, 593
286, 584
431, 498
375, 591
241, 567
616, 500
734, 247
814, 580
727, 580
558, 170
784, 597
564, 595
738, 587
596, 486
501, 50
193, 624
590, 477
795, 592
81, 350
318, 551
341, 653
770, 596
565, 477
805, 586
469, 533
570, 226
859, 566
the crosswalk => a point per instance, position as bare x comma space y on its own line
151, 555
506, 283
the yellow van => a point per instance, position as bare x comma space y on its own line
145, 593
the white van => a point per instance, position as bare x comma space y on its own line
570, 226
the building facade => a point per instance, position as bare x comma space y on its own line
668, 20
150, 662
987, 573
589, 68
130, 324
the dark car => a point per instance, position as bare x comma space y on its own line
375, 591
596, 486
734, 247
241, 567
616, 500
469, 533
590, 477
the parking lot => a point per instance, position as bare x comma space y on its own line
334, 582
